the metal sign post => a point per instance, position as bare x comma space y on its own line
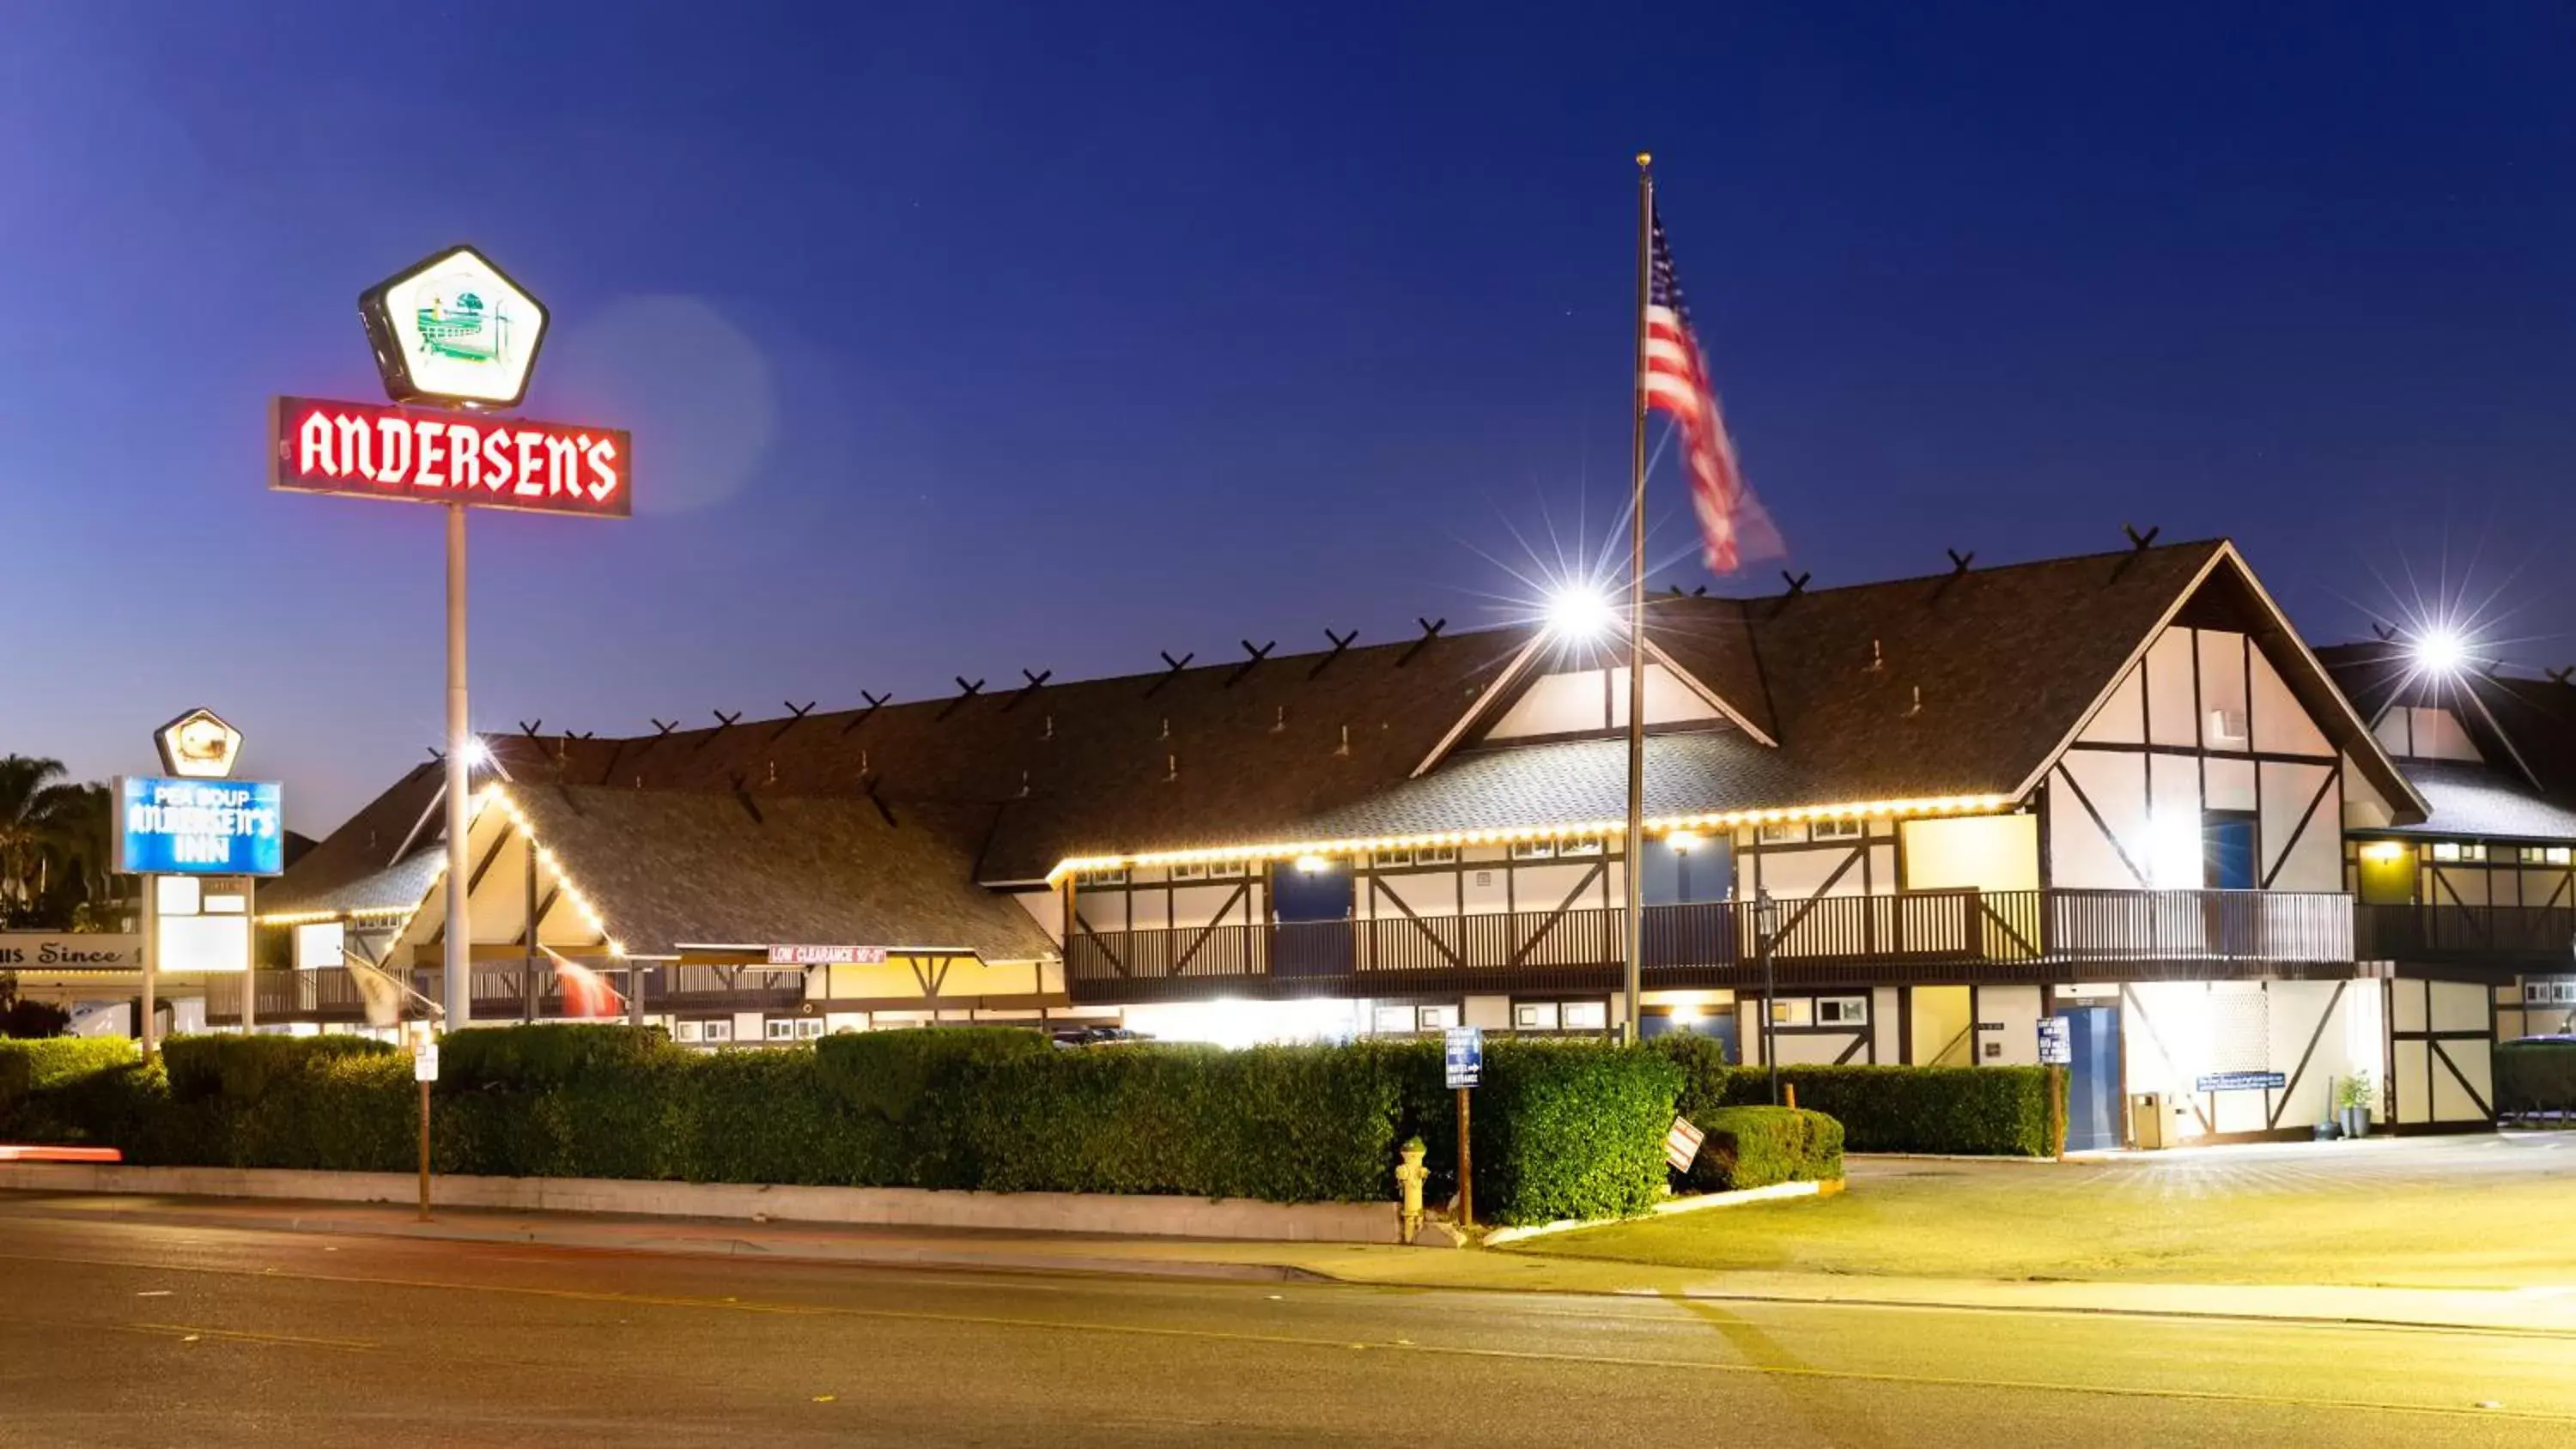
424, 1070
459, 992
1466, 1067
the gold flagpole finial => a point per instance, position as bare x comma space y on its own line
1645, 159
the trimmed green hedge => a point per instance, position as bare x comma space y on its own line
54, 1060
1980, 1111
242, 1067
1762, 1146
1561, 1129
1990, 1111
2535, 1077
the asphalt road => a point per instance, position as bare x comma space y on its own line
126, 1333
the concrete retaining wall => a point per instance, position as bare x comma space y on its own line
1043, 1212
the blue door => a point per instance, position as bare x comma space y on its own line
2227, 850
1313, 911
2093, 1078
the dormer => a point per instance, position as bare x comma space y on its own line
2422, 732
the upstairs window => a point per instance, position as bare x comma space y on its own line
1789, 832
1836, 830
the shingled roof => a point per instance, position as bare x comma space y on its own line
673, 868
1951, 684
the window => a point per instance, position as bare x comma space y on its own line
1588, 845
1782, 834
688, 1031
1842, 1011
808, 1028
1534, 850
1436, 855
1114, 876
2532, 855
1584, 1015
1534, 1016
1228, 869
2560, 855
2227, 724
1394, 1020
1189, 872
780, 1028
719, 1031
1385, 858
1793, 1011
2463, 852
1836, 830
1435, 1018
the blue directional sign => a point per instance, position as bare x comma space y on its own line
1466, 1055
171, 826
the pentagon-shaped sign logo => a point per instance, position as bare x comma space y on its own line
198, 745
453, 328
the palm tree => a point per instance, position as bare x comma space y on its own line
36, 805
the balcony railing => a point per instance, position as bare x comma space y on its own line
2448, 933
2035, 935
501, 991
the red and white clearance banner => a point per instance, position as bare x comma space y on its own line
827, 955
369, 450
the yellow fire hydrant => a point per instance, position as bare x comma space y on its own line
1410, 1177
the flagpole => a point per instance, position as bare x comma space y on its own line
1634, 870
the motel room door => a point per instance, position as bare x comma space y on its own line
2093, 1078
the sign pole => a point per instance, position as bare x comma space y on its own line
250, 968
424, 1070
460, 786
424, 1152
1466, 1177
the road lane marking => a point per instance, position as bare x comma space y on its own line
1281, 1340
191, 1332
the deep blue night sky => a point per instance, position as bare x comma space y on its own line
964, 341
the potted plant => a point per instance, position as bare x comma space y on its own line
2353, 1096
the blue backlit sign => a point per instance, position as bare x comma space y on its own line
170, 826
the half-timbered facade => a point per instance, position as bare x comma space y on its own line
1898, 822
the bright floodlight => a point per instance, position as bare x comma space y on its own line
477, 753
2440, 650
1578, 612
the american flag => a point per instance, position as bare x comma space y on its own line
1731, 522
585, 992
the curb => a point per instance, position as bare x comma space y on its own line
864, 1256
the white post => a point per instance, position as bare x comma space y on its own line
151, 962
460, 786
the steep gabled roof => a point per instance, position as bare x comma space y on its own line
669, 868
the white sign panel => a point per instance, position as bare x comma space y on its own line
827, 955
454, 328
1681, 1145
424, 1062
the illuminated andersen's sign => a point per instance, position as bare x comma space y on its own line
171, 826
370, 451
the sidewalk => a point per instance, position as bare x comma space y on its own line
2541, 1309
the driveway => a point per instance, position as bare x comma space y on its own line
2476, 1211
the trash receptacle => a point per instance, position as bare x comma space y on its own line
2147, 1120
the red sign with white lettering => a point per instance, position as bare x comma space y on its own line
371, 451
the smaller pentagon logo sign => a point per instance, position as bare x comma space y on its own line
454, 329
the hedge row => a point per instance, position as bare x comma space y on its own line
1978, 1111
2535, 1077
1561, 1129
1764, 1146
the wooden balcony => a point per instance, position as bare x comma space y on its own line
1924, 936
2507, 940
502, 992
